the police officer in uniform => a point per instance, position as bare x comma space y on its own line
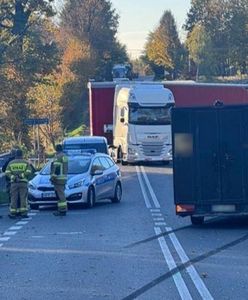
18, 171
58, 177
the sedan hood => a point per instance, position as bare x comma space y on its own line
44, 180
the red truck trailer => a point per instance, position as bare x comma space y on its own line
186, 94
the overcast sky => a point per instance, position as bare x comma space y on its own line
139, 17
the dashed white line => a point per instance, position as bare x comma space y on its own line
15, 228
147, 201
160, 224
32, 214
157, 215
158, 219
10, 233
155, 210
4, 239
22, 223
179, 282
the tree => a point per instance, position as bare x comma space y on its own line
27, 53
163, 49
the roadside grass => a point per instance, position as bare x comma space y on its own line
4, 199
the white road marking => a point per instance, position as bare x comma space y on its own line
157, 215
158, 219
155, 210
10, 233
22, 223
199, 284
4, 239
160, 224
154, 198
32, 214
147, 201
15, 228
179, 282
1, 245
70, 233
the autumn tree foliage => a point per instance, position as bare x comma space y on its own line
163, 50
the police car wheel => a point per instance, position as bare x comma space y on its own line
91, 197
118, 193
34, 206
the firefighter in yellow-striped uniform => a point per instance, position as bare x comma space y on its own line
59, 170
19, 172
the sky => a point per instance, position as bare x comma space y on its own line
139, 17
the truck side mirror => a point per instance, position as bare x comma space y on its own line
122, 120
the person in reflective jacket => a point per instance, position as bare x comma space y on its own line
19, 172
58, 177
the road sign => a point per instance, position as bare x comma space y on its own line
36, 121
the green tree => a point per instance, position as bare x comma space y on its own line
163, 49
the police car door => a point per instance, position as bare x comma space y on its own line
98, 180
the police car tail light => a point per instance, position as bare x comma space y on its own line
185, 208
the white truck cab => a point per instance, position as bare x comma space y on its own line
142, 122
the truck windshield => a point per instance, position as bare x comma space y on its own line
139, 115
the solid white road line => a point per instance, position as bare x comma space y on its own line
1, 245
147, 201
199, 284
179, 282
154, 198
157, 215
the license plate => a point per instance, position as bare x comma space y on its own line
48, 195
224, 208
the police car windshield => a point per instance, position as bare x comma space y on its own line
99, 147
75, 166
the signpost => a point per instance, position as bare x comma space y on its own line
36, 122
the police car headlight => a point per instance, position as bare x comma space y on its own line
76, 185
31, 186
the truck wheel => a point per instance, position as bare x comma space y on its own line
91, 198
118, 193
197, 220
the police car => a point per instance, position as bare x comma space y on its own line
91, 177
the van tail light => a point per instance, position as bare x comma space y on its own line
185, 208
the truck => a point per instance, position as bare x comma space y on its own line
134, 117
210, 150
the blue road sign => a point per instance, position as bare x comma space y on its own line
34, 121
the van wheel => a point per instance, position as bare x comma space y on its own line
197, 220
91, 197
118, 193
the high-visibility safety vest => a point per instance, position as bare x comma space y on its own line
18, 170
59, 169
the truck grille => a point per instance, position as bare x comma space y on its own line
152, 149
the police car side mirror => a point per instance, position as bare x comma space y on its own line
96, 172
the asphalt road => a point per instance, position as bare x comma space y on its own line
135, 249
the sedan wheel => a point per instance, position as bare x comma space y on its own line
118, 193
91, 198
